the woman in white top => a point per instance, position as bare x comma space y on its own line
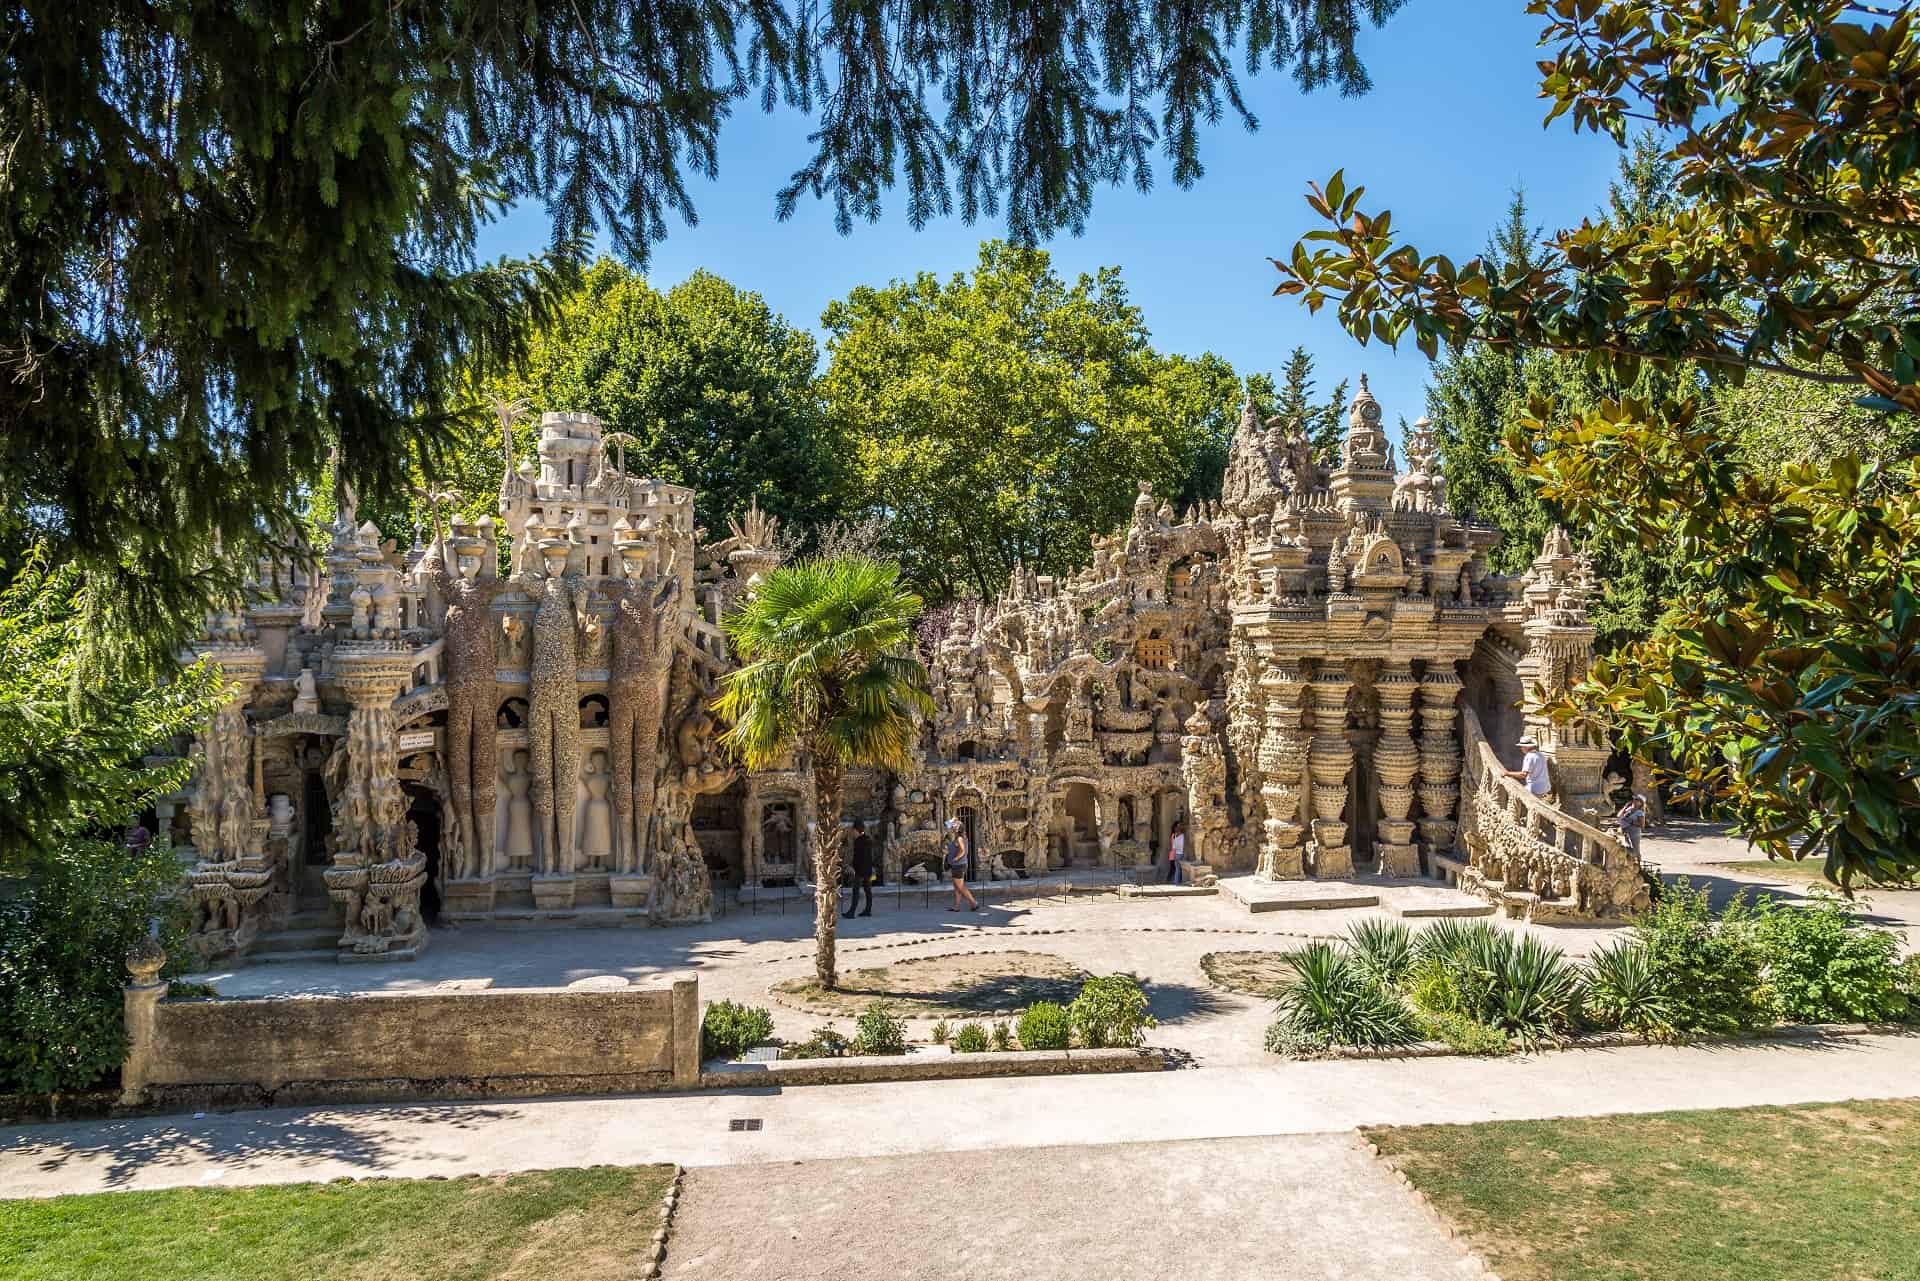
1177, 851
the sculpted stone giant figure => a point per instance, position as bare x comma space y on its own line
471, 765
634, 678
553, 726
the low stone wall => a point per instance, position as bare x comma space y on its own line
372, 1047
866, 1069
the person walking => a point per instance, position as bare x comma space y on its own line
1176, 851
955, 854
861, 869
1533, 768
1632, 819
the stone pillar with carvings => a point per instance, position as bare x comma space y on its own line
1439, 757
228, 814
1283, 759
1396, 760
377, 873
1329, 760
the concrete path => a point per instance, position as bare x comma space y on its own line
825, 1122
1303, 1206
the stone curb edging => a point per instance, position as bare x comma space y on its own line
657, 1250
1447, 1227
866, 1069
983, 931
1610, 1040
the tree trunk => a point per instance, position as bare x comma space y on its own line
827, 780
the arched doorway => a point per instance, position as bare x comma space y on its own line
1079, 824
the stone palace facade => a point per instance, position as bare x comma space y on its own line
512, 723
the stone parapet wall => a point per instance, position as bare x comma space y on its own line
399, 1046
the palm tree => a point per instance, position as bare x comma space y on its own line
828, 673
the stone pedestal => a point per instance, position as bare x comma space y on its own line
1329, 760
467, 898
628, 889
553, 893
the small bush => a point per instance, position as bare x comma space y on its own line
827, 1043
728, 1028
181, 990
1710, 974
1465, 1035
971, 1038
1111, 1010
1002, 1037
940, 1031
1329, 998
1285, 1039
879, 1030
1383, 948
1909, 981
1822, 967
1045, 1026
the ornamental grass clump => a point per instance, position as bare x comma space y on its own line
1385, 949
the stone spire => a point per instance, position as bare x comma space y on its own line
1366, 441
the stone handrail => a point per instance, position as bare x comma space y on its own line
1521, 843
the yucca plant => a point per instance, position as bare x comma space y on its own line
1383, 948
1537, 991
828, 673
1625, 990
1330, 998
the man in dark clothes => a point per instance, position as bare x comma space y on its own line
860, 871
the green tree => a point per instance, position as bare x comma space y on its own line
234, 235
1325, 421
1004, 416
827, 676
1782, 681
74, 775
710, 387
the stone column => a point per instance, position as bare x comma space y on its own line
145, 959
1329, 759
377, 873
228, 812
1283, 758
1395, 760
1439, 757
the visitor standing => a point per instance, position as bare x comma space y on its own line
955, 853
1176, 851
1632, 818
1533, 768
862, 869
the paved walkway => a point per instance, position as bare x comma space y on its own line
826, 1122
1216, 1210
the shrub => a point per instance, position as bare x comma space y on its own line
1625, 991
827, 1043
1823, 967
1111, 1010
728, 1028
1383, 948
1465, 1035
970, 1039
63, 944
1909, 980
1328, 998
1045, 1026
1709, 973
182, 991
1284, 1038
940, 1031
879, 1030
1002, 1037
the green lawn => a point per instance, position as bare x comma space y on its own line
559, 1225
1752, 1194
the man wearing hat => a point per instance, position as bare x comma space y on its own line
1533, 768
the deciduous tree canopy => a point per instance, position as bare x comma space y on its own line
1005, 415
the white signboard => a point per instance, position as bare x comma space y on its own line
418, 740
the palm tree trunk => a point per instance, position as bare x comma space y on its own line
827, 780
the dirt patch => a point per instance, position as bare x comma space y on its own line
959, 985
1252, 973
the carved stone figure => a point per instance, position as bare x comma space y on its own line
596, 818
517, 848
553, 727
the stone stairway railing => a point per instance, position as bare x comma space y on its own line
1530, 857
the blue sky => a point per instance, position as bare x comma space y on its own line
1453, 123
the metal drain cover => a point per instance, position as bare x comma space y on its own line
744, 1123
